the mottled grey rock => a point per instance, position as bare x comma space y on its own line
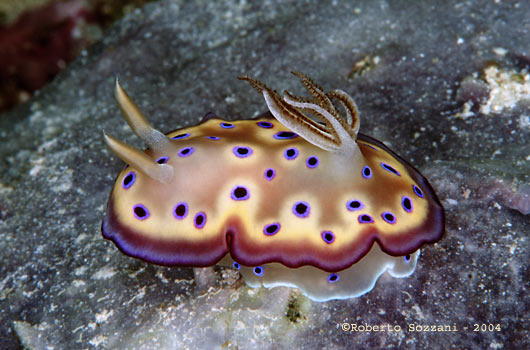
62, 286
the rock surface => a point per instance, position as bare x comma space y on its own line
62, 286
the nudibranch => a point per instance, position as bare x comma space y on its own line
295, 197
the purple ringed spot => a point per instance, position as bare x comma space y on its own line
418, 191
390, 169
140, 212
312, 162
265, 125
365, 219
290, 153
186, 152
269, 174
240, 193
258, 271
128, 180
284, 135
200, 220
181, 136
236, 265
388, 217
407, 258
333, 277
226, 125
301, 209
215, 138
162, 160
180, 211
406, 203
328, 237
367, 172
242, 152
354, 205
271, 229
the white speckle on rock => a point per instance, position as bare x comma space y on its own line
103, 316
47, 145
104, 273
80, 270
451, 201
63, 187
496, 345
37, 166
507, 89
62, 181
97, 340
524, 121
161, 276
81, 237
78, 283
230, 99
417, 309
36, 115
500, 51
